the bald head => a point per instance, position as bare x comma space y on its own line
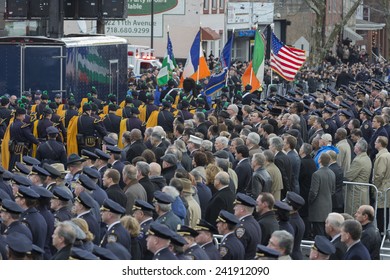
155, 169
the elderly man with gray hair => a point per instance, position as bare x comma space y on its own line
261, 180
143, 170
252, 142
333, 228
283, 242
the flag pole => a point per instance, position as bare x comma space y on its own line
200, 49
270, 58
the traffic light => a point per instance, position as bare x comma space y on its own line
88, 8
114, 9
16, 9
39, 9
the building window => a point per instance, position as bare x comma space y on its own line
221, 4
214, 4
206, 4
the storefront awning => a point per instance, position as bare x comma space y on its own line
209, 34
352, 35
368, 25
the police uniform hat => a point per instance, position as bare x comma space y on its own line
37, 250
80, 254
43, 192
351, 98
224, 114
366, 111
163, 198
377, 87
346, 113
134, 111
331, 105
184, 230
280, 205
7, 205
103, 253
178, 240
87, 107
275, 111
45, 96
245, 200
205, 226
30, 161
327, 110
21, 168
102, 155
20, 111
196, 140
85, 154
184, 103
27, 193
170, 158
323, 245
53, 172
248, 87
142, 205
345, 105
52, 130
4, 195
113, 149
19, 243
37, 170
227, 217
166, 104
221, 154
62, 194
109, 141
85, 199
91, 172
21, 180
86, 182
256, 101
112, 107
266, 252
74, 158
47, 111
4, 101
160, 230
112, 206
295, 200
119, 250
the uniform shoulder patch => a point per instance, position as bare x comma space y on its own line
240, 231
366, 126
24, 125
112, 238
97, 121
223, 251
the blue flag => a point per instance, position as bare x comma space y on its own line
217, 81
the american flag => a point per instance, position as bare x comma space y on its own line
286, 61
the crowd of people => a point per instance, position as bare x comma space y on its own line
159, 176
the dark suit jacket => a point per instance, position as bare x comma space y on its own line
357, 252
244, 174
115, 193
308, 167
338, 196
135, 150
62, 254
268, 225
341, 248
221, 200
202, 128
283, 163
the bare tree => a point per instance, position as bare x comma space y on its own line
321, 42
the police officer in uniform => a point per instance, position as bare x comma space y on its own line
248, 230
283, 216
133, 121
26, 198
296, 202
59, 204
158, 240
20, 137
205, 239
44, 123
192, 249
231, 247
52, 151
165, 118
143, 212
111, 213
111, 122
330, 125
10, 213
89, 129
163, 203
366, 127
58, 121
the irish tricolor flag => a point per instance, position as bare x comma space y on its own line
254, 74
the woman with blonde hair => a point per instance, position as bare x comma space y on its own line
133, 227
87, 242
211, 171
